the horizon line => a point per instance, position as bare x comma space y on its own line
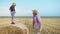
30, 16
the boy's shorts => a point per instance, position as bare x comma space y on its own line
12, 13
37, 27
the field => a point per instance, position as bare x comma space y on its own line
49, 25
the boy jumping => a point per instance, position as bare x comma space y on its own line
12, 11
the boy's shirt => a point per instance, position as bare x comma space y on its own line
36, 19
12, 8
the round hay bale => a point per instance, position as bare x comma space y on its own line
16, 28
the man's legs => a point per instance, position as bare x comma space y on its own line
12, 14
12, 19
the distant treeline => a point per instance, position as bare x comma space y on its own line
30, 16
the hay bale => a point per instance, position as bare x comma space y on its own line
13, 29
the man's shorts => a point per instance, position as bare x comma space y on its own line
12, 13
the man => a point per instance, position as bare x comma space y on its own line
12, 11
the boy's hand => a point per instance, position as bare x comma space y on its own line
33, 30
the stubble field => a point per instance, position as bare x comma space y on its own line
49, 25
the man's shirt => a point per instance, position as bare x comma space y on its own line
12, 8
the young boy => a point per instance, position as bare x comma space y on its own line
36, 21
12, 10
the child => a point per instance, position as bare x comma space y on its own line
12, 10
36, 21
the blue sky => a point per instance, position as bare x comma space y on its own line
25, 7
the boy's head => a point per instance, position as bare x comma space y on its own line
14, 4
35, 12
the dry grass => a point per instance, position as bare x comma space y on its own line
50, 25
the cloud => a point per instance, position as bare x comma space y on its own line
19, 12
4, 12
23, 12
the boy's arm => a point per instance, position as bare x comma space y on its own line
39, 19
33, 25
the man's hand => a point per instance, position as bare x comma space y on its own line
10, 10
15, 11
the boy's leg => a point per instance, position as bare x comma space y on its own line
38, 29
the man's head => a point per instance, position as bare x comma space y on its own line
14, 4
35, 12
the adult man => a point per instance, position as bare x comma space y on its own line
12, 11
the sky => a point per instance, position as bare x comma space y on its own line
25, 7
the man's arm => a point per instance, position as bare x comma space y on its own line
10, 9
15, 11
